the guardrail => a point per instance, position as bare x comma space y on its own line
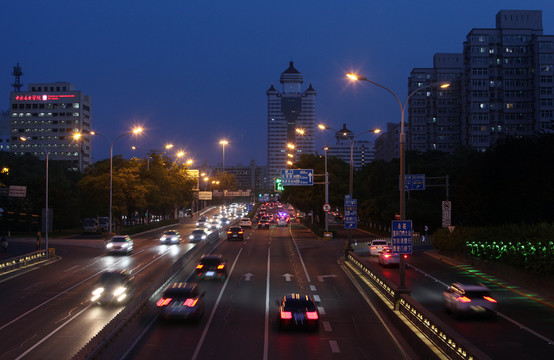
452, 344
102, 345
22, 261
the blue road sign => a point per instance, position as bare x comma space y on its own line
350, 213
297, 177
402, 236
414, 182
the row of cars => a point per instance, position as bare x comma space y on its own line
458, 299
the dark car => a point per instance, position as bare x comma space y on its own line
235, 233
181, 301
113, 287
297, 312
211, 267
263, 223
198, 235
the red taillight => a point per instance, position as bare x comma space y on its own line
387, 256
405, 256
373, 247
488, 298
311, 315
286, 315
229, 232
219, 267
190, 302
163, 302
464, 299
199, 266
240, 232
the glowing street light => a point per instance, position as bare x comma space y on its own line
223, 143
46, 216
443, 85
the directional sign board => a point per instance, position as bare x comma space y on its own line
297, 177
414, 182
350, 213
402, 236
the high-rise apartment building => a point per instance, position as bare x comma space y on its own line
288, 110
508, 79
434, 114
49, 115
501, 86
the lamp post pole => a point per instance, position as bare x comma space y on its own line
223, 143
46, 214
402, 154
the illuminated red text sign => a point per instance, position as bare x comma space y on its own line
41, 97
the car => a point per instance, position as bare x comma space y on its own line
263, 223
211, 266
467, 299
113, 287
202, 222
170, 237
119, 244
283, 221
245, 222
388, 258
297, 312
213, 225
235, 233
224, 221
198, 235
182, 301
376, 246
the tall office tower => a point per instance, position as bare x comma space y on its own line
288, 110
508, 79
363, 151
435, 114
49, 115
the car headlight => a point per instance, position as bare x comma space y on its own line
203, 237
191, 237
120, 290
109, 245
124, 245
174, 238
162, 238
98, 291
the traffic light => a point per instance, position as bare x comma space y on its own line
277, 186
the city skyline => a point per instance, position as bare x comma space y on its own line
193, 74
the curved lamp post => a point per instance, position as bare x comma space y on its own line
23, 138
132, 132
443, 85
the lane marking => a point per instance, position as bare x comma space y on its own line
52, 333
28, 287
316, 298
71, 268
266, 325
327, 326
312, 287
321, 310
300, 256
205, 332
334, 346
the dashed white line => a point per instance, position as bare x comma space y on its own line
316, 298
321, 310
326, 326
334, 346
71, 268
312, 287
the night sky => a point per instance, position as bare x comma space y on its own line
195, 71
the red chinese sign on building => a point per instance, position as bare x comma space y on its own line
41, 97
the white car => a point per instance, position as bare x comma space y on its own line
469, 299
170, 237
245, 222
388, 258
377, 246
120, 244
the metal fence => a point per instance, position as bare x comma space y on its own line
16, 263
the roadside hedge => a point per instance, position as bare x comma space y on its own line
526, 247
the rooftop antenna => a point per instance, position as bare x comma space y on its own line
17, 73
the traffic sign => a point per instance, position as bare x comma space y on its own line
402, 236
350, 213
326, 207
297, 177
414, 182
278, 186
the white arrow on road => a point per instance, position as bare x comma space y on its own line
248, 276
288, 276
320, 277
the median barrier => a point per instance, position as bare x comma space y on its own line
450, 343
25, 260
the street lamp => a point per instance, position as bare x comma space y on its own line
325, 148
135, 131
442, 85
46, 217
223, 143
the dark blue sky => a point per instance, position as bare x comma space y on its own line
193, 72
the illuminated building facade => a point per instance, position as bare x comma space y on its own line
50, 114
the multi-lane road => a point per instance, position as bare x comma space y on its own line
46, 313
